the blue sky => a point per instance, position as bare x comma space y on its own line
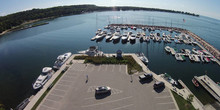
208, 8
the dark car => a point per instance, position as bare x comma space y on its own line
102, 89
145, 76
158, 84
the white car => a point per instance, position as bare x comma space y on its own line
102, 89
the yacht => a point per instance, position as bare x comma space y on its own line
108, 36
92, 51
142, 57
195, 82
98, 31
116, 36
124, 37
196, 58
195, 51
133, 37
61, 59
147, 39
46, 74
170, 79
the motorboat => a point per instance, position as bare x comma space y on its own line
147, 39
207, 59
196, 58
124, 36
116, 36
46, 74
142, 57
170, 79
108, 36
92, 51
61, 59
213, 59
167, 48
206, 52
191, 57
98, 31
195, 82
178, 57
195, 51
202, 58
133, 37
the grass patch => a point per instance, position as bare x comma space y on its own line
48, 89
128, 60
182, 103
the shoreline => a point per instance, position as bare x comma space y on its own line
22, 26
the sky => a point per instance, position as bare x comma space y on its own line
208, 8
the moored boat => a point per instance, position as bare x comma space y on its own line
195, 82
61, 59
46, 74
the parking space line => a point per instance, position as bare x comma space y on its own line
89, 98
49, 107
113, 68
100, 66
166, 103
56, 95
122, 107
106, 66
119, 68
163, 97
51, 100
60, 90
107, 102
63, 85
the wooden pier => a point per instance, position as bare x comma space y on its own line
204, 45
210, 86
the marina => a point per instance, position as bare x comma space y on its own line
28, 51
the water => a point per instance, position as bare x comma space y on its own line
24, 53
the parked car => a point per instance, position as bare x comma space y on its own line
102, 89
158, 84
145, 76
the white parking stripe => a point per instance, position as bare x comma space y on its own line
99, 67
166, 103
107, 102
113, 68
106, 67
56, 95
49, 107
122, 107
60, 90
51, 100
163, 97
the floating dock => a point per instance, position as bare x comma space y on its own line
210, 86
204, 45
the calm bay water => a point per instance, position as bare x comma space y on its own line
24, 53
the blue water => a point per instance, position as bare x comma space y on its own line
24, 53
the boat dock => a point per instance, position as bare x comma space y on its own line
210, 86
204, 45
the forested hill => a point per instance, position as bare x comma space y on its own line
9, 21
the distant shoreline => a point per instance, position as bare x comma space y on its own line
15, 21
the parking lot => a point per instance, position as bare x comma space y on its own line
75, 92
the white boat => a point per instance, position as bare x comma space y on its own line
196, 58
191, 57
187, 51
108, 36
206, 52
213, 59
46, 74
61, 59
92, 51
202, 58
98, 31
173, 52
116, 36
100, 36
133, 37
170, 79
124, 36
147, 39
195, 51
178, 57
167, 48
142, 57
